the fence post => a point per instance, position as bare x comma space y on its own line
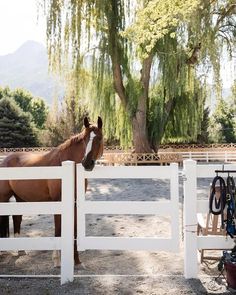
80, 181
174, 195
190, 220
67, 222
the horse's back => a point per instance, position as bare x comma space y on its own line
22, 159
30, 190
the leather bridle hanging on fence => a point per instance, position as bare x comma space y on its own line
226, 198
217, 205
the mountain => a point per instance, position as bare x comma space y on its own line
27, 68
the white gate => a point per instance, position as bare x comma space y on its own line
167, 207
192, 206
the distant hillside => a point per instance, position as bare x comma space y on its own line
27, 68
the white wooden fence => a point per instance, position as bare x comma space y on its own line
65, 243
168, 207
192, 206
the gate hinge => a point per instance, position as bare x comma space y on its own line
182, 175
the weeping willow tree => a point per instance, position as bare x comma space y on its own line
135, 46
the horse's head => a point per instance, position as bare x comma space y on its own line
94, 143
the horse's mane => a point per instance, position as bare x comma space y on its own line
74, 139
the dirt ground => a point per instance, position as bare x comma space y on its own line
113, 272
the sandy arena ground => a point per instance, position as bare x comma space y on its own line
113, 272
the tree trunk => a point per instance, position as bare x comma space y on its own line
140, 139
117, 54
139, 121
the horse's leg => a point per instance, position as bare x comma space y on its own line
4, 226
57, 220
76, 253
5, 194
17, 219
16, 224
56, 253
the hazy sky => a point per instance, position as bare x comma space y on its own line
19, 23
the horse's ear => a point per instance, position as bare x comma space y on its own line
86, 122
99, 123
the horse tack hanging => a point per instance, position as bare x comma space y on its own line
230, 201
217, 206
227, 199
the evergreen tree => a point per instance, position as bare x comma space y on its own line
16, 128
28, 103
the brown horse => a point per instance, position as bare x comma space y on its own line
85, 148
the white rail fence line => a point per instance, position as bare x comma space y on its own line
192, 206
65, 243
168, 207
209, 156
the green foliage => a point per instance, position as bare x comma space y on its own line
160, 18
29, 104
39, 111
116, 123
203, 136
211, 24
68, 121
16, 128
222, 127
177, 36
232, 98
133, 89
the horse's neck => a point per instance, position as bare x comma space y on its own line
75, 152
52, 158
72, 150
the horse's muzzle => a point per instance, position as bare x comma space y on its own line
88, 164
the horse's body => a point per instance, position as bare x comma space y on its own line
43, 190
85, 147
